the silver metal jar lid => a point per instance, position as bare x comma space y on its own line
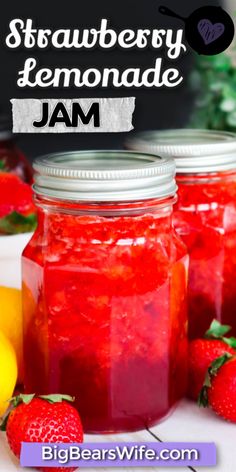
195, 151
104, 176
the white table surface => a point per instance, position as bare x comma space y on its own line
187, 423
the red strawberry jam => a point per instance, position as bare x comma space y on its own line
105, 320
205, 217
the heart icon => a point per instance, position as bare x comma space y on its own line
210, 32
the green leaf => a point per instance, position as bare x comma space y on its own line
215, 102
229, 92
217, 330
228, 105
3, 425
15, 223
57, 398
26, 399
230, 341
216, 86
195, 80
222, 62
22, 398
14, 402
204, 100
2, 165
217, 120
231, 119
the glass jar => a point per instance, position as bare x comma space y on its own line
205, 218
104, 288
11, 158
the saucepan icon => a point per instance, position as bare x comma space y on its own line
209, 30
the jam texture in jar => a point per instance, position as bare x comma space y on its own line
205, 218
104, 290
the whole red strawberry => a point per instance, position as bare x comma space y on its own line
219, 390
17, 210
203, 351
222, 393
49, 419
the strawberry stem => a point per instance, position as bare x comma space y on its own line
3, 423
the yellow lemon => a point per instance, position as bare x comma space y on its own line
8, 372
11, 322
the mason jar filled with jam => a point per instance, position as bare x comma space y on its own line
104, 288
204, 217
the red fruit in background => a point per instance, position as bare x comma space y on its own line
15, 195
17, 210
41, 420
12, 160
222, 392
202, 352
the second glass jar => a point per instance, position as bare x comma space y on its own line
204, 217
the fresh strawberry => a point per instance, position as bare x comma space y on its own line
17, 210
15, 195
219, 390
203, 351
49, 419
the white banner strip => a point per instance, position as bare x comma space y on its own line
76, 115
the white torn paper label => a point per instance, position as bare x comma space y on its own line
76, 115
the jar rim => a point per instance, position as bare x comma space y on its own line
194, 150
104, 175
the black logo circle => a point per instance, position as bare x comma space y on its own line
209, 30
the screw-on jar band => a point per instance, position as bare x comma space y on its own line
104, 176
194, 151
